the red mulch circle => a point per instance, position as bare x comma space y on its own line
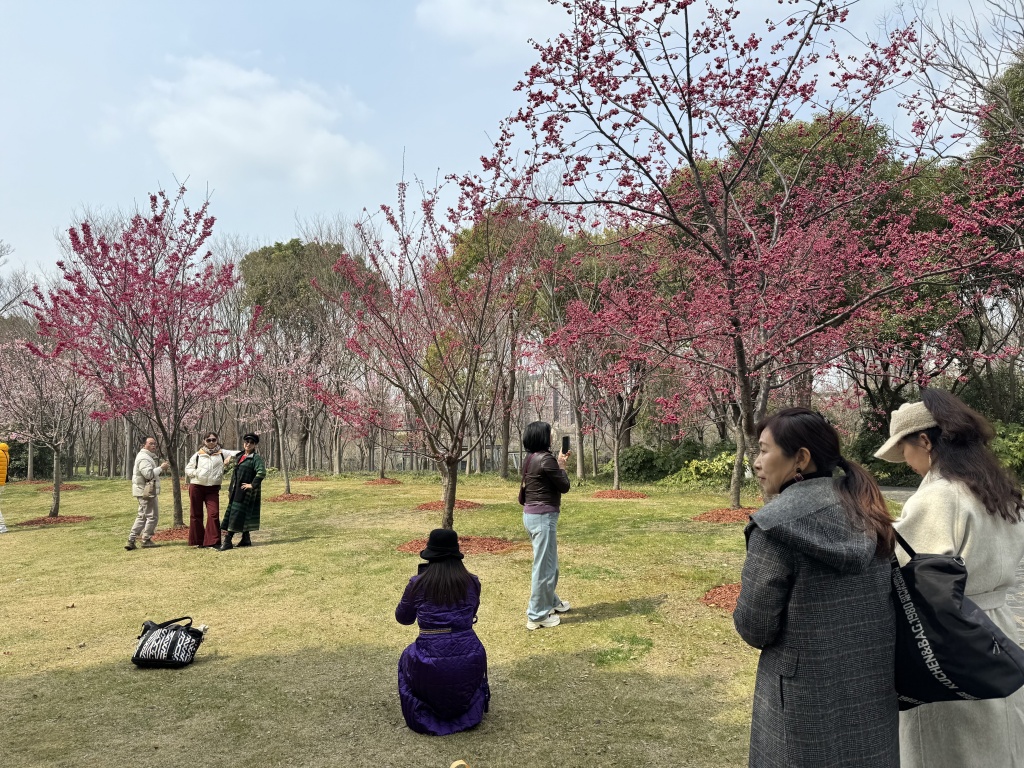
726, 515
291, 497
437, 506
468, 545
619, 495
722, 597
63, 487
172, 534
55, 520
309, 479
384, 481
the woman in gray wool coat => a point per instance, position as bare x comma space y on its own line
815, 600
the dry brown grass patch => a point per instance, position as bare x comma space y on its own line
612, 494
437, 506
468, 545
724, 596
56, 520
726, 515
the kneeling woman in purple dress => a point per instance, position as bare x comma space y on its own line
442, 676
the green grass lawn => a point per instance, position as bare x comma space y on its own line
299, 666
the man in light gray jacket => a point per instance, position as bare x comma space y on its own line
146, 488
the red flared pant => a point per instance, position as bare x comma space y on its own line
198, 497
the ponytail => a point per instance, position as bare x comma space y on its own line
863, 501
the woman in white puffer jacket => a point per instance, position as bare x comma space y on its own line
205, 473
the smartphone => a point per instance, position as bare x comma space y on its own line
422, 567
565, 444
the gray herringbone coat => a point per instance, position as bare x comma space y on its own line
815, 600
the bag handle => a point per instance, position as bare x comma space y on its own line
167, 623
903, 543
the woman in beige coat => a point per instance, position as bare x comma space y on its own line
966, 505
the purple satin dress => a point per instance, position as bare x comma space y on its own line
442, 676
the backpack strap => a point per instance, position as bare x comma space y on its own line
903, 543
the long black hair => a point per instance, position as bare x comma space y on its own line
796, 428
445, 582
960, 451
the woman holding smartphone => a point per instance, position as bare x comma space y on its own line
544, 482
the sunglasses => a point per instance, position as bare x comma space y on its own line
211, 439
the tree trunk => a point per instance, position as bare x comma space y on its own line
449, 467
98, 447
55, 504
31, 460
179, 517
284, 455
127, 466
580, 469
626, 439
736, 483
383, 457
304, 441
745, 401
593, 447
616, 444
506, 438
803, 386
69, 459
111, 453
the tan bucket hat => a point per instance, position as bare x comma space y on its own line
908, 419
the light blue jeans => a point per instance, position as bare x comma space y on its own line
543, 530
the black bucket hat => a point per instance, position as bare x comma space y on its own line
251, 437
443, 543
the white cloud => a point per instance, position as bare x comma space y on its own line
221, 123
492, 28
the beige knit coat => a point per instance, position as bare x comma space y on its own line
944, 517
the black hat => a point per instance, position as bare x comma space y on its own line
443, 543
252, 437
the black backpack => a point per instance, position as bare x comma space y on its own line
947, 649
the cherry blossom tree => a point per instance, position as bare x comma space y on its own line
744, 251
429, 324
45, 402
134, 316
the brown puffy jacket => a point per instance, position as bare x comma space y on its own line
545, 480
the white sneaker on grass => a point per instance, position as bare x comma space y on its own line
562, 607
551, 620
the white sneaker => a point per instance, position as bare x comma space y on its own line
551, 620
562, 607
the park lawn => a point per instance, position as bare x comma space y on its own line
299, 666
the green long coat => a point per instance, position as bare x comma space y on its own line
244, 505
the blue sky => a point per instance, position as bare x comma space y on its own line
283, 111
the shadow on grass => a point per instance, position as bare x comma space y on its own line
317, 708
641, 606
283, 540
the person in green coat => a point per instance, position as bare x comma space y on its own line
243, 513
